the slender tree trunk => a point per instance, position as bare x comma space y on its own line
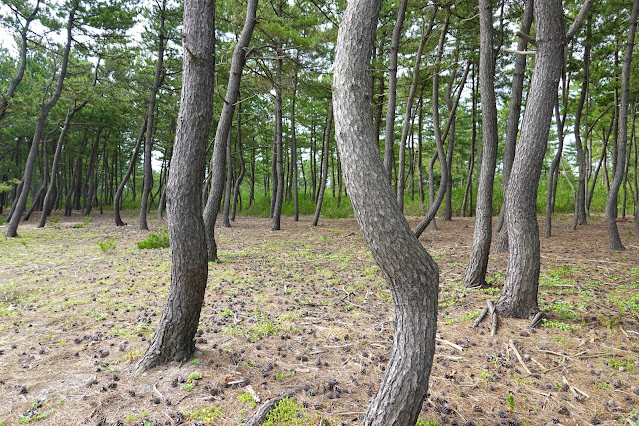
620, 166
296, 205
240, 154
148, 141
411, 273
12, 231
279, 154
173, 338
389, 143
580, 200
512, 126
553, 173
228, 183
118, 195
322, 188
420, 166
475, 275
224, 127
48, 199
401, 181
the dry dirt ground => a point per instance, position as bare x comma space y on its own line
307, 307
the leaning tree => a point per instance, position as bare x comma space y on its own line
411, 273
173, 338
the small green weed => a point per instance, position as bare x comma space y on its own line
248, 399
85, 221
286, 412
107, 244
191, 380
617, 363
205, 415
284, 374
35, 414
510, 401
9, 293
55, 219
422, 422
557, 324
133, 418
159, 239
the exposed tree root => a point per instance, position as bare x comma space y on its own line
494, 318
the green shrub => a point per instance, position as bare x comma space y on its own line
107, 244
159, 239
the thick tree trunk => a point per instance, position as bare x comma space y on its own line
132, 163
223, 128
12, 231
512, 126
147, 183
389, 135
620, 166
411, 273
519, 294
173, 338
475, 275
323, 179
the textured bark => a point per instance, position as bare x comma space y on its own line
173, 338
92, 183
389, 135
147, 183
512, 125
519, 294
611, 202
223, 128
296, 205
475, 275
325, 153
21, 203
411, 273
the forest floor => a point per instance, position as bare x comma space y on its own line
307, 307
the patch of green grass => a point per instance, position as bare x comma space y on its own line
510, 401
248, 399
284, 374
107, 244
564, 309
133, 418
422, 422
557, 324
205, 414
159, 239
616, 363
85, 221
286, 412
9, 293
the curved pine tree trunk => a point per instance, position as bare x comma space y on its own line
223, 128
410, 272
325, 154
611, 203
173, 338
125, 179
475, 275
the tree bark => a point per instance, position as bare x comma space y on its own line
12, 231
580, 198
240, 156
553, 173
173, 338
512, 125
296, 205
323, 179
411, 273
519, 294
224, 127
620, 166
475, 275
228, 183
148, 141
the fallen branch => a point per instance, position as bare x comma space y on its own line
260, 415
451, 344
521, 361
494, 319
574, 389
155, 389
